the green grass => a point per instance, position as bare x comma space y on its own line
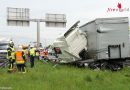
46, 77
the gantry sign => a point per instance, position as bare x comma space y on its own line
21, 17
18, 16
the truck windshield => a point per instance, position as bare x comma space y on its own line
3, 46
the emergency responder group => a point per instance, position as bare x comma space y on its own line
20, 56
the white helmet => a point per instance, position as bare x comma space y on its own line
11, 43
20, 48
31, 45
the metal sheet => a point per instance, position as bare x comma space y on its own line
18, 16
55, 20
55, 24
104, 32
17, 23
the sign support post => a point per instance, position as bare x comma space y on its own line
38, 34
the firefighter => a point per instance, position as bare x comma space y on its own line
45, 54
25, 54
32, 55
11, 55
37, 54
20, 60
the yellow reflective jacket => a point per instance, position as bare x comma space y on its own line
32, 52
12, 53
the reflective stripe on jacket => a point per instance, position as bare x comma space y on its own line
19, 57
12, 53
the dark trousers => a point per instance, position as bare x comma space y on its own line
11, 64
32, 61
21, 67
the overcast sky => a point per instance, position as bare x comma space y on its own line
83, 10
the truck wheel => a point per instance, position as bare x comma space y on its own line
104, 66
115, 67
94, 65
81, 65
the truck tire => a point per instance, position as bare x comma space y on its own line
104, 66
94, 65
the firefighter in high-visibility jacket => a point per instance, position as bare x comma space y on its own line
20, 60
24, 55
37, 54
11, 55
32, 55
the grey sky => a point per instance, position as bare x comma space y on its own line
83, 10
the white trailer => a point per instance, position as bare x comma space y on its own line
108, 38
107, 42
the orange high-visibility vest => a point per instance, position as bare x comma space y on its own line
19, 58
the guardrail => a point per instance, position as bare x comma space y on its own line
4, 63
